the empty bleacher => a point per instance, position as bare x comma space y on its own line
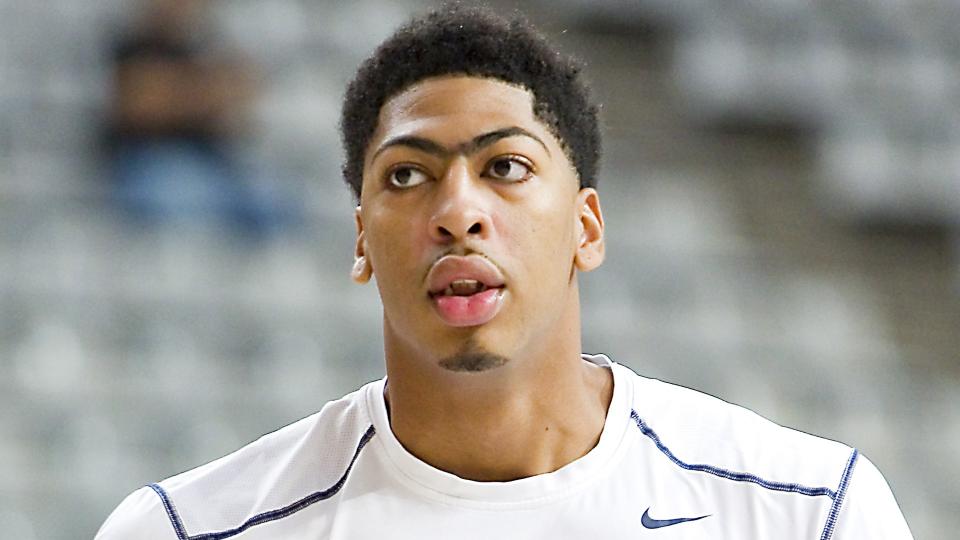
780, 183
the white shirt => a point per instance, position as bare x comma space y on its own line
671, 463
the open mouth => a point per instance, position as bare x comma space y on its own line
464, 287
466, 291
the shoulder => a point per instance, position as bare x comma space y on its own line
697, 433
270, 473
701, 432
866, 508
140, 515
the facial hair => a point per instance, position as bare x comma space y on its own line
473, 358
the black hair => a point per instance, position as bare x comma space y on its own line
476, 42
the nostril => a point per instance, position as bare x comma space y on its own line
456, 231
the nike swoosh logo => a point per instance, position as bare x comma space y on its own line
651, 523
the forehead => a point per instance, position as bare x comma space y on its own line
453, 109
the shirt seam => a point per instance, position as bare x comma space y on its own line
263, 517
737, 476
835, 508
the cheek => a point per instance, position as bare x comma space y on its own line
397, 246
542, 239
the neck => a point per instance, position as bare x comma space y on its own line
540, 412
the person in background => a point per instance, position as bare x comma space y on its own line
178, 105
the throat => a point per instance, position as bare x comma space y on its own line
499, 437
507, 447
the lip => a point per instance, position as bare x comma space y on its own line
472, 310
453, 267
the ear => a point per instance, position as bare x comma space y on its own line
590, 249
362, 269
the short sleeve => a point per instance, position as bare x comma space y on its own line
139, 517
868, 509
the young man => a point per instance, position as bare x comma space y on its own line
472, 148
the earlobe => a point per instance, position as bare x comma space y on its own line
362, 269
590, 248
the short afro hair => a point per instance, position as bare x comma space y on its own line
476, 42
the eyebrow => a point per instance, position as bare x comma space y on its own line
473, 145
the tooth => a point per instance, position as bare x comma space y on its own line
465, 286
448, 291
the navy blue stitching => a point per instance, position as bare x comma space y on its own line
268, 516
730, 475
838, 500
171, 512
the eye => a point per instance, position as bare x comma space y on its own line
406, 177
508, 169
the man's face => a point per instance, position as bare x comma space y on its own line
472, 221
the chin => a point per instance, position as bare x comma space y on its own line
472, 356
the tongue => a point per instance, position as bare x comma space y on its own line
471, 310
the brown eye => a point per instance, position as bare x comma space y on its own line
508, 170
406, 177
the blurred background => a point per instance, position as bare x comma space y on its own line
781, 184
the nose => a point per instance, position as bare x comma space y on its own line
459, 212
